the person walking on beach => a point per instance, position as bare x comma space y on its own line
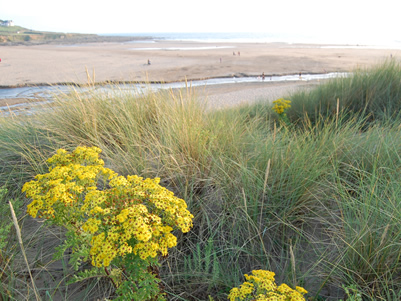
263, 76
148, 62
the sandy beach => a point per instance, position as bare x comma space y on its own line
172, 61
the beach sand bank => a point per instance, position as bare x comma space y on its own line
172, 61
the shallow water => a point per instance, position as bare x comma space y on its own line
28, 92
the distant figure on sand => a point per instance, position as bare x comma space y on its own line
239, 53
263, 76
148, 62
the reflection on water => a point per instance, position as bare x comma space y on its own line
29, 92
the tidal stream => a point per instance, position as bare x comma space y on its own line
46, 93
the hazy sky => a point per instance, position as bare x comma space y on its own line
339, 17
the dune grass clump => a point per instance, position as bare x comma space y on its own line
374, 93
314, 200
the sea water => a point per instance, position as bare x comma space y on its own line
340, 41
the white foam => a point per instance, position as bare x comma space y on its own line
183, 48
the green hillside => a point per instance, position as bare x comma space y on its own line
20, 35
17, 35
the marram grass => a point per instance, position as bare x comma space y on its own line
314, 200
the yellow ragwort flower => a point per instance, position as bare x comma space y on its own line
131, 214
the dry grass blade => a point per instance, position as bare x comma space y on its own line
263, 195
18, 231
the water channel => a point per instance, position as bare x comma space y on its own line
45, 93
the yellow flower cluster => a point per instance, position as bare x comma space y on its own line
121, 215
280, 105
261, 286
70, 177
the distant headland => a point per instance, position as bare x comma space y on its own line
11, 34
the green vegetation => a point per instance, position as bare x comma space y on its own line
114, 222
20, 35
11, 29
374, 93
17, 35
314, 198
